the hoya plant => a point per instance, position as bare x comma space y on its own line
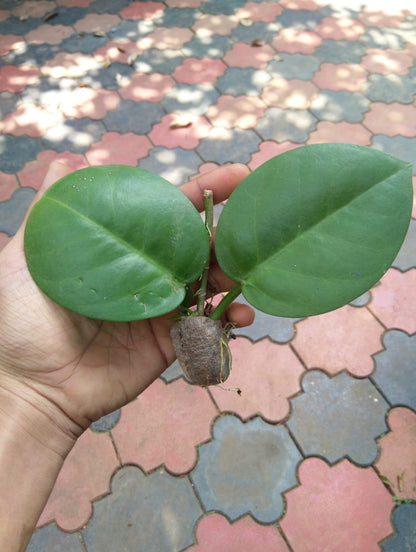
305, 233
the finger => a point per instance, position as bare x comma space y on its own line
240, 315
57, 170
221, 181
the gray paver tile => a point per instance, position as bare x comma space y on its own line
259, 29
239, 81
76, 135
158, 61
404, 520
294, 66
137, 117
340, 51
399, 146
228, 145
227, 7
20, 150
283, 125
83, 42
51, 539
194, 98
214, 46
406, 257
176, 165
390, 88
106, 422
13, 211
342, 105
300, 19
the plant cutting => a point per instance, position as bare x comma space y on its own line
305, 233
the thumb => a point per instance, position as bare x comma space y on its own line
57, 170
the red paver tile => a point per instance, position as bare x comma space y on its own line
296, 41
397, 459
15, 79
394, 303
267, 150
166, 37
342, 28
337, 508
267, 375
215, 532
199, 71
342, 339
295, 93
89, 102
327, 131
94, 22
263, 11
387, 61
142, 10
69, 65
49, 34
340, 76
8, 185
33, 8
240, 111
84, 477
30, 119
299, 4
10, 42
115, 148
391, 119
34, 172
208, 25
4, 240
179, 131
182, 420
379, 18
4, 14
149, 87
122, 51
244, 55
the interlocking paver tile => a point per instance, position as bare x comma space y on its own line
75, 135
208, 24
299, 18
87, 102
113, 148
389, 88
175, 165
266, 151
293, 125
391, 119
20, 150
85, 43
240, 111
266, 373
107, 422
122, 51
324, 424
294, 66
328, 131
33, 8
393, 304
296, 41
294, 93
397, 460
342, 339
110, 77
94, 22
213, 45
221, 6
387, 61
406, 257
343, 28
259, 11
194, 98
51, 539
400, 146
223, 145
68, 15
215, 532
257, 31
246, 55
395, 368
8, 103
69, 64
341, 76
130, 116
337, 508
378, 38
340, 51
19, 26
132, 30
404, 521
177, 16
84, 477
154, 513
165, 38
142, 10
175, 131
9, 185
30, 120
182, 421
299, 4
12, 211
15, 79
238, 81
341, 105
378, 18
199, 70
49, 34
266, 466
146, 87
34, 172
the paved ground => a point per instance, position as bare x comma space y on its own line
319, 451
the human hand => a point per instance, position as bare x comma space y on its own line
76, 369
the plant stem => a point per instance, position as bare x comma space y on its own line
225, 302
209, 224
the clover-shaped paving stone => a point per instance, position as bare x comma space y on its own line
246, 468
395, 368
404, 519
338, 417
146, 513
51, 539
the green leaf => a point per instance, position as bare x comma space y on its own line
115, 243
312, 229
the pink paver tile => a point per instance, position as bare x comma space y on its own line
337, 508
391, 119
267, 150
208, 25
166, 37
397, 460
215, 532
199, 71
4, 14
34, 172
342, 339
118, 50
4, 240
148, 87
310, 5
69, 65
31, 120
296, 41
379, 18
183, 3
340, 76
387, 61
410, 47
34, 8
394, 303
15, 79
142, 10
263, 11
204, 168
84, 477
182, 421
342, 28
183, 131
244, 55
10, 42
74, 3
240, 111
115, 148
267, 375
8, 185
96, 22
328, 131
295, 93
49, 34
89, 102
